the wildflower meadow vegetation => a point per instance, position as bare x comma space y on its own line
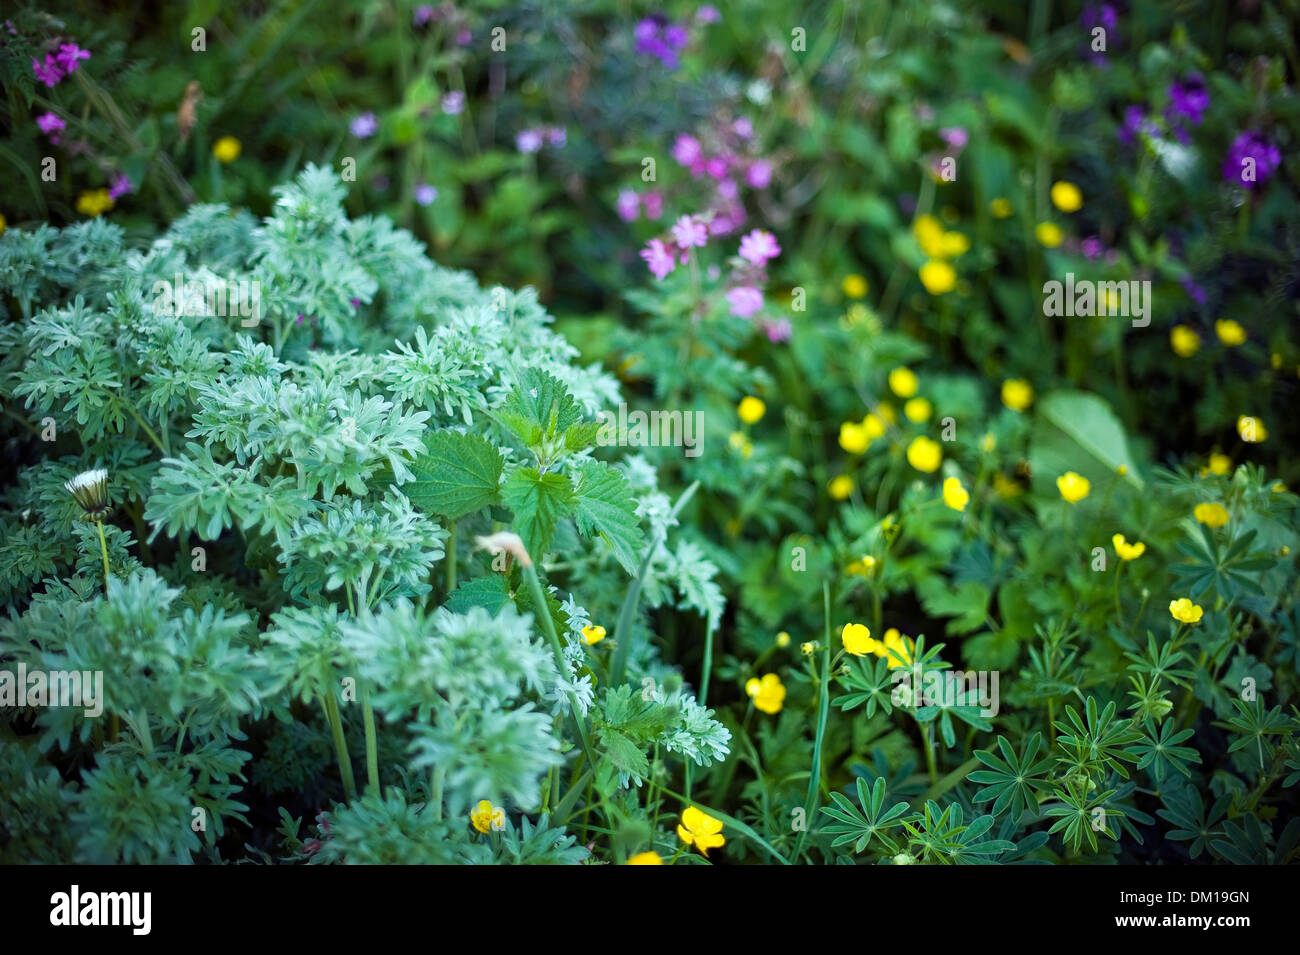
604, 433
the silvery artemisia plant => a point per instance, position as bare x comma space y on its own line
291, 570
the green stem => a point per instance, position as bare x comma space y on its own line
340, 745
435, 796
823, 711
372, 745
103, 551
548, 627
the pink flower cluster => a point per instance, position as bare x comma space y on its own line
725, 157
532, 140
60, 64
629, 205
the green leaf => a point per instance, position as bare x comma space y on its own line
458, 475
623, 753
968, 604
1077, 431
539, 407
539, 502
606, 507
490, 593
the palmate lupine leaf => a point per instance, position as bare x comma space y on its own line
861, 827
1013, 782
1160, 751
606, 507
1101, 738
457, 475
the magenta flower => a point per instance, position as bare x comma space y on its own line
759, 174
686, 150
627, 205
659, 258
708, 14
48, 73
745, 300
529, 141
1092, 247
364, 126
778, 330
453, 104
654, 205
464, 37
423, 14
728, 189
956, 137
68, 55
119, 187
690, 232
50, 123
758, 247
716, 167
425, 194
1264, 159
743, 127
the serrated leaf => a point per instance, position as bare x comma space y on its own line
623, 753
490, 593
539, 502
606, 507
538, 403
458, 474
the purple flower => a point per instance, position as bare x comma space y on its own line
689, 232
759, 173
1135, 122
1188, 100
453, 104
676, 36
628, 205
463, 37
425, 194
120, 186
1251, 160
556, 136
708, 14
48, 73
364, 126
744, 300
659, 258
423, 14
646, 33
716, 167
356, 302
1194, 291
955, 136
728, 189
758, 247
1091, 247
743, 127
686, 150
654, 205
529, 141
777, 331
50, 123
68, 55
1101, 16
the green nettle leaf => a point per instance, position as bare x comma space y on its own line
606, 507
1077, 431
490, 592
539, 502
539, 407
459, 474
623, 753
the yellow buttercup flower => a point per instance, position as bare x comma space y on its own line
1005, 486
807, 648
1219, 464
1066, 196
1017, 394
924, 454
767, 693
887, 413
902, 382
938, 277
857, 639
227, 149
988, 442
94, 202
1230, 333
700, 830
1252, 430
917, 409
853, 437
953, 244
1211, 514
1000, 208
645, 858
751, 409
896, 651
861, 568
873, 426
1184, 341
783, 639
855, 286
485, 817
1073, 487
1184, 611
1126, 550
1048, 234
954, 495
841, 486
593, 634
929, 236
